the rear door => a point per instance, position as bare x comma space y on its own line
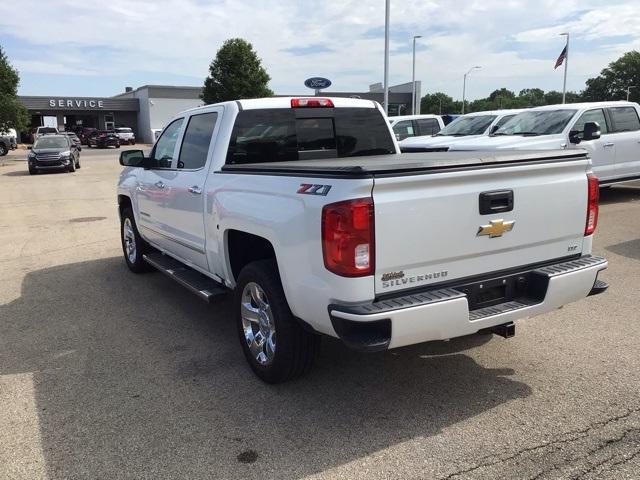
626, 135
404, 129
183, 213
431, 228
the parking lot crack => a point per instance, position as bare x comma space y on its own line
571, 436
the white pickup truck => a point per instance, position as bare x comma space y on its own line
608, 131
471, 125
305, 208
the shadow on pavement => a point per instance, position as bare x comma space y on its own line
620, 193
630, 249
136, 377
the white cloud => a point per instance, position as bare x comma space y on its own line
180, 37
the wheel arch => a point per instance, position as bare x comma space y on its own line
242, 248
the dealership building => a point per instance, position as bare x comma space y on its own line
149, 108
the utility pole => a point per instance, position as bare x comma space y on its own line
629, 89
386, 56
414, 108
566, 65
464, 85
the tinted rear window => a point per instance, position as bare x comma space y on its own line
47, 130
276, 135
625, 119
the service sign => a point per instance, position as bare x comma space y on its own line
317, 83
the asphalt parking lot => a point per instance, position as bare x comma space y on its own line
106, 374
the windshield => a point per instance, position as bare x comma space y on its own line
123, 130
469, 125
541, 122
51, 142
47, 130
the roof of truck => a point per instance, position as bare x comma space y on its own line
580, 106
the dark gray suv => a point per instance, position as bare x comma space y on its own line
53, 152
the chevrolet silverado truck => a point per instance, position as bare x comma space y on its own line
305, 209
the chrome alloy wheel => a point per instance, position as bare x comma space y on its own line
129, 240
257, 323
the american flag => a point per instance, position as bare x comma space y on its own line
561, 58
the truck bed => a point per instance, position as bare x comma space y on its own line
404, 164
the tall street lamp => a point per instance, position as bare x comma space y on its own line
629, 89
386, 56
413, 77
464, 84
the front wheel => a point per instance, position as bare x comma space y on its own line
72, 165
133, 246
3, 150
275, 345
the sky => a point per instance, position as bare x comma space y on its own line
72, 48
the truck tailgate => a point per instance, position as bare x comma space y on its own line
429, 227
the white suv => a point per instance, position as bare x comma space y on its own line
608, 131
126, 135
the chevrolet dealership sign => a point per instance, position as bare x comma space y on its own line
75, 103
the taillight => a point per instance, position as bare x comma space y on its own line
592, 204
311, 102
348, 244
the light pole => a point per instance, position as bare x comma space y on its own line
464, 84
413, 77
566, 64
386, 56
629, 88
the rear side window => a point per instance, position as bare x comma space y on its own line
428, 126
278, 135
625, 119
197, 138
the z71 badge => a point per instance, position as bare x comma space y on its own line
311, 189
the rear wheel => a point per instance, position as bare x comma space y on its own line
133, 246
275, 345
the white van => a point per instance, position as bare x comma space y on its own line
609, 131
471, 125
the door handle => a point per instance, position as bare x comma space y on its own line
608, 145
159, 184
196, 190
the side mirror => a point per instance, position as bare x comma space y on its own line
591, 131
132, 158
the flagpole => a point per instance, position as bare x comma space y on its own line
566, 65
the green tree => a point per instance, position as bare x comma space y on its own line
12, 113
613, 81
439, 103
531, 97
236, 72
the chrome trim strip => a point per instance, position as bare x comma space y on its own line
174, 239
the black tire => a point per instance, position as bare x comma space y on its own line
117, 145
296, 349
78, 163
133, 142
72, 166
137, 263
32, 171
3, 150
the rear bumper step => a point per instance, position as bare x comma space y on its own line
456, 310
204, 287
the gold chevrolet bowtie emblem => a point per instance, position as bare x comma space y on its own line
496, 228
